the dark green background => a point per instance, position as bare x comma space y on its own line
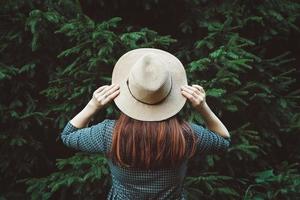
245, 54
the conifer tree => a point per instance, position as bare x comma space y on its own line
54, 54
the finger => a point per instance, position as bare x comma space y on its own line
199, 88
188, 96
100, 88
111, 97
112, 90
106, 89
187, 89
191, 90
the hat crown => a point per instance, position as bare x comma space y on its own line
149, 80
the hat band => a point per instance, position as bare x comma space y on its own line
147, 102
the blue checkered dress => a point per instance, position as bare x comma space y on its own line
139, 184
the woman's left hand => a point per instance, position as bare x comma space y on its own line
195, 94
103, 95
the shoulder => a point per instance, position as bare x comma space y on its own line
108, 121
201, 131
196, 127
107, 124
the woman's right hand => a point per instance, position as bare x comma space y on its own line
195, 94
104, 95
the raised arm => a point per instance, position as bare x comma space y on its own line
78, 135
196, 95
212, 122
102, 96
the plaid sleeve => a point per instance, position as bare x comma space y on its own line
91, 139
208, 141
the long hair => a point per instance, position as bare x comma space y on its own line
151, 145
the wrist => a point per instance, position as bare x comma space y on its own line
202, 108
83, 118
92, 106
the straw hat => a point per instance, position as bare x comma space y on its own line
150, 81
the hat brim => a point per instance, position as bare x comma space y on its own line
135, 109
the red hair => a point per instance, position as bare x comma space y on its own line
151, 145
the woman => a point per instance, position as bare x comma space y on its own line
148, 147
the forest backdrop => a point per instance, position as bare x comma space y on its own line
245, 53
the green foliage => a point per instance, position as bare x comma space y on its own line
80, 177
210, 186
275, 185
54, 54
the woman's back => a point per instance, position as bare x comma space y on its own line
147, 184
134, 183
148, 147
